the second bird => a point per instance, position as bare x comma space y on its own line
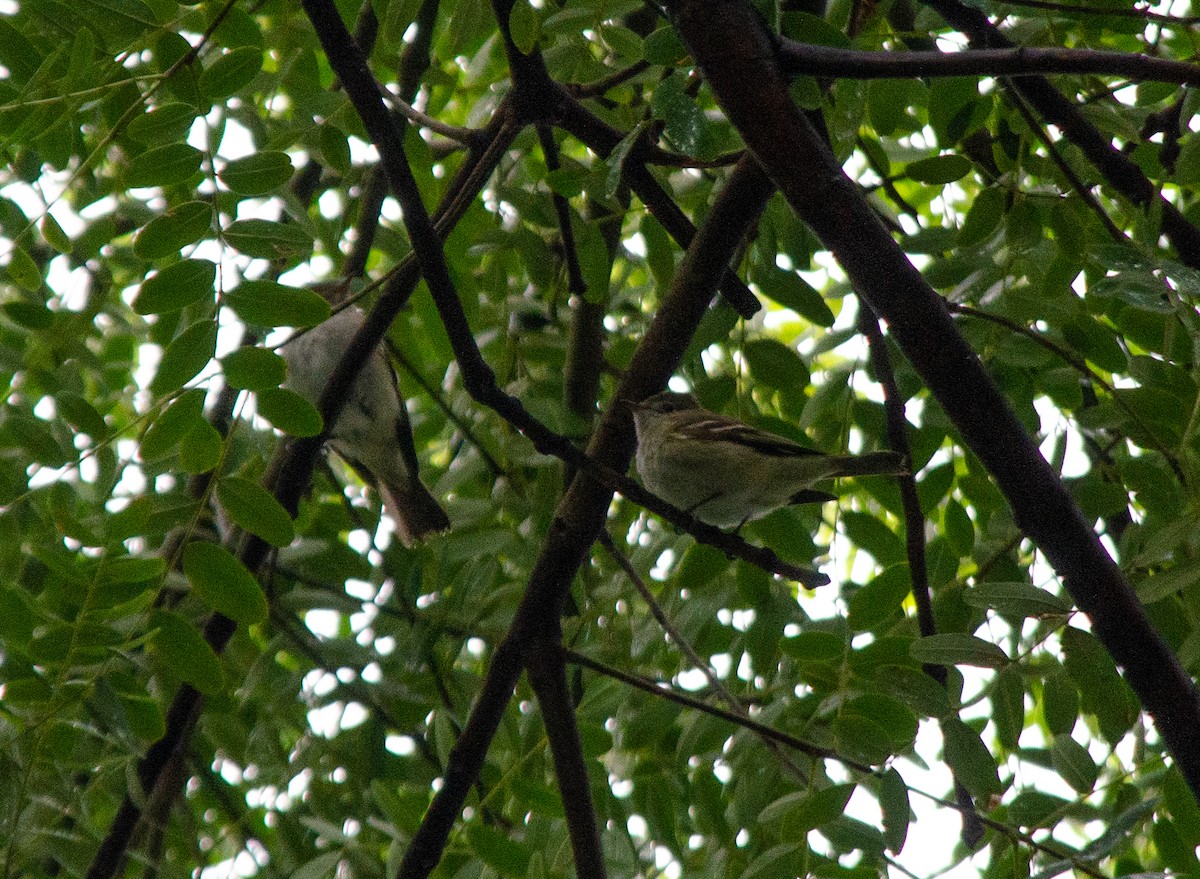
725, 472
372, 433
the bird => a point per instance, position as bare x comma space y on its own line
724, 472
372, 434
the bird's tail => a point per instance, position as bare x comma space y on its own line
872, 464
416, 512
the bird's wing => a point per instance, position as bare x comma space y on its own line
719, 427
811, 496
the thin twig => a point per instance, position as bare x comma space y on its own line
465, 136
1056, 156
598, 87
1081, 365
718, 686
769, 732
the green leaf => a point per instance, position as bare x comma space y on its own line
31, 315
1060, 703
887, 103
163, 166
168, 429
176, 287
81, 414
893, 719
335, 149
983, 217
253, 369
1180, 802
323, 866
22, 270
663, 47
802, 811
129, 569
804, 27
177, 228
792, 291
1007, 695
267, 239
1074, 764
814, 646
173, 424
700, 565
969, 758
144, 716
187, 354
1104, 692
258, 173
914, 688
774, 364
1097, 343
54, 234
223, 582
167, 123
685, 124
869, 533
807, 93
289, 412
951, 105
120, 21
960, 530
270, 304
504, 855
939, 170
897, 813
567, 182
1017, 600
230, 73
524, 26
200, 449
255, 509
879, 600
783, 861
1033, 808
616, 158
184, 651
400, 14
958, 648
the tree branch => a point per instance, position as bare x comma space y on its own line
914, 531
599, 136
580, 514
1118, 169
736, 53
806, 59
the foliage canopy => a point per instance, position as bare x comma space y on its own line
204, 665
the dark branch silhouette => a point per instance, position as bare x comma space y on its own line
736, 53
1018, 61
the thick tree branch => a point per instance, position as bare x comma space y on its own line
1074, 10
582, 511
736, 53
548, 676
914, 530
1018, 61
294, 468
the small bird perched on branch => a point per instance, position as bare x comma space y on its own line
725, 472
372, 433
